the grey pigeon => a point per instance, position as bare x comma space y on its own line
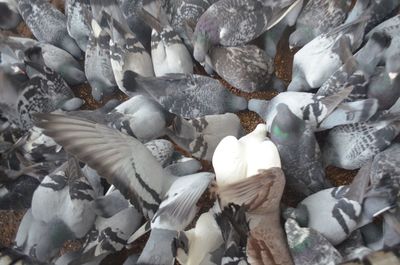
14, 50
142, 118
46, 91
66, 214
129, 166
390, 27
383, 88
130, 10
126, 51
235, 23
334, 212
319, 59
246, 68
9, 14
307, 106
308, 246
300, 153
78, 14
356, 72
168, 53
187, 95
176, 211
162, 150
109, 234
350, 146
200, 136
378, 10
385, 182
98, 68
48, 24
318, 17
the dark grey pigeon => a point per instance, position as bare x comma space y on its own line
234, 23
187, 95
9, 14
246, 68
48, 24
79, 15
318, 17
14, 50
9, 256
300, 153
200, 136
17, 194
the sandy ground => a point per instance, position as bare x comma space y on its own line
9, 220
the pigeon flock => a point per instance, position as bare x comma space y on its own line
108, 176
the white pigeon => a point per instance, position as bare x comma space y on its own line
235, 159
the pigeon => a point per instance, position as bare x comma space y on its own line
10, 17
307, 246
246, 68
68, 212
48, 24
390, 27
168, 53
335, 212
307, 106
134, 171
384, 190
109, 233
16, 49
126, 52
236, 23
235, 230
78, 14
316, 18
162, 150
131, 11
175, 213
260, 194
386, 255
142, 118
378, 10
350, 146
299, 151
186, 95
319, 59
200, 136
10, 256
391, 224
356, 72
235, 159
272, 37
17, 195
46, 91
202, 241
98, 68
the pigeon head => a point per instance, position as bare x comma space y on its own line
8, 18
286, 125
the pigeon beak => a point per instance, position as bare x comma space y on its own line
392, 76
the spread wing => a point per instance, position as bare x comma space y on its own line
121, 159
